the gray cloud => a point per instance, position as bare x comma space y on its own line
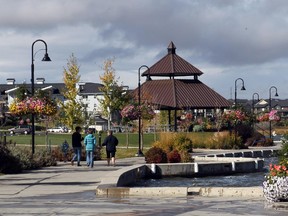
224, 38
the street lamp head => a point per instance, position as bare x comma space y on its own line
46, 57
243, 88
276, 95
148, 78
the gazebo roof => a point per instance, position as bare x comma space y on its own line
180, 94
172, 65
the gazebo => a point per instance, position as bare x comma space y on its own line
172, 93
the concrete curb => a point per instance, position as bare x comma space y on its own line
247, 192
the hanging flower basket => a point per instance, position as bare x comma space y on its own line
133, 112
233, 117
130, 113
271, 116
33, 105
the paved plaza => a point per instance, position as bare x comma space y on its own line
70, 190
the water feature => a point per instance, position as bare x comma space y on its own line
237, 180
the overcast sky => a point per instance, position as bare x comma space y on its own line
225, 39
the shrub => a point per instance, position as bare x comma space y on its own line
156, 155
59, 155
41, 158
8, 163
244, 131
174, 156
197, 128
186, 157
182, 143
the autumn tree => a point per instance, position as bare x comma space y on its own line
115, 95
71, 109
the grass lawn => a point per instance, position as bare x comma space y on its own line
57, 139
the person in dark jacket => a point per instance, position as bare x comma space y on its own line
77, 146
110, 142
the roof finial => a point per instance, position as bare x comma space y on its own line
171, 48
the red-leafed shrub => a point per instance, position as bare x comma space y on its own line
156, 155
174, 157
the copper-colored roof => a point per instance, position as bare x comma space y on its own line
172, 65
181, 93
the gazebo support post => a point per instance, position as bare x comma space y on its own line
175, 120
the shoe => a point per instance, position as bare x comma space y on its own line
72, 163
79, 165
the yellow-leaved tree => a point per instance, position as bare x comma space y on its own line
71, 109
115, 95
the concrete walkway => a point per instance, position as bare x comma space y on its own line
70, 190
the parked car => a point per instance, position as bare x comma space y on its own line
59, 130
56, 130
21, 129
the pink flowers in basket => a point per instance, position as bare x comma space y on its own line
33, 105
133, 112
234, 116
271, 116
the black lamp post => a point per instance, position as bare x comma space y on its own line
253, 101
270, 108
243, 88
140, 153
45, 58
253, 107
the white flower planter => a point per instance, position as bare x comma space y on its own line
276, 189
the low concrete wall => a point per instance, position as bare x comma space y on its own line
264, 153
119, 178
115, 183
205, 166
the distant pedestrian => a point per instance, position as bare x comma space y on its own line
90, 143
65, 148
77, 146
110, 142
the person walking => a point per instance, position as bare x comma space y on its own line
77, 146
110, 142
90, 143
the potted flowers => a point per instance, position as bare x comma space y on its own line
275, 186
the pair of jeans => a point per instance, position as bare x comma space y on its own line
89, 158
77, 154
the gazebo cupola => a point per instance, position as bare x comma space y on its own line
172, 65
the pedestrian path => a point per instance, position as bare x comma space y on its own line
70, 190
